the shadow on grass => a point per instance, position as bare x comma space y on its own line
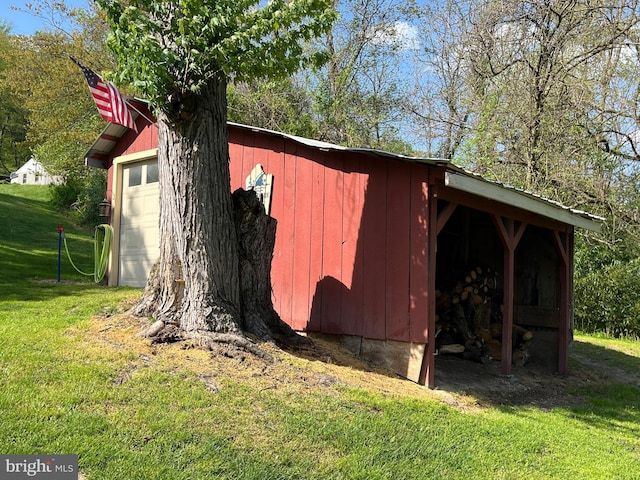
608, 375
607, 361
29, 245
29, 291
611, 407
596, 374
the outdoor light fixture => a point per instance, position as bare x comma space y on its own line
104, 210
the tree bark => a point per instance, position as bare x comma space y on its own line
213, 279
199, 285
256, 233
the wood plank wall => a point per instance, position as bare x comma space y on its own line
351, 253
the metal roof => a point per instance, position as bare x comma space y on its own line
102, 146
325, 146
455, 177
462, 179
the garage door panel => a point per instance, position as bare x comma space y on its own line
139, 224
151, 203
137, 239
131, 207
134, 272
140, 203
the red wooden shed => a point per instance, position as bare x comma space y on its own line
368, 239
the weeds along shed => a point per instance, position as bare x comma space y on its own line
400, 257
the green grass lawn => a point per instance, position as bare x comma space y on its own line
71, 382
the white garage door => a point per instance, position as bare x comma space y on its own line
139, 216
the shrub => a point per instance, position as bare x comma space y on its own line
607, 290
80, 195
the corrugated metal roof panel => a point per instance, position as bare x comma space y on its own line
340, 148
536, 203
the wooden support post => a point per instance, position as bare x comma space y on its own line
510, 236
507, 313
427, 369
563, 246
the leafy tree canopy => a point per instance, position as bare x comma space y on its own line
170, 50
62, 118
13, 120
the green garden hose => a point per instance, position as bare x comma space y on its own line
101, 246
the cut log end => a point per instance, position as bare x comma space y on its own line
452, 348
153, 330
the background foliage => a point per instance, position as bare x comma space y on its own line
536, 94
59, 118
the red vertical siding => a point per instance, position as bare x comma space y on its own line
427, 369
109, 194
352, 242
374, 228
274, 165
419, 269
300, 304
254, 152
317, 234
149, 139
359, 273
146, 139
332, 245
398, 251
236, 149
248, 153
286, 233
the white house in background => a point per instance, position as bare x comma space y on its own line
33, 173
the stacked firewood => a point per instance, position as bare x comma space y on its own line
469, 322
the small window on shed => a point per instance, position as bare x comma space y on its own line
152, 173
135, 176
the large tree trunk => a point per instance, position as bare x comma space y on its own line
213, 280
199, 284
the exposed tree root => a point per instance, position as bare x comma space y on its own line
210, 340
158, 332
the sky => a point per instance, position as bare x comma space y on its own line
22, 23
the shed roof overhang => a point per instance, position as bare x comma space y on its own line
99, 151
530, 202
101, 148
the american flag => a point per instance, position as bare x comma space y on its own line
111, 106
